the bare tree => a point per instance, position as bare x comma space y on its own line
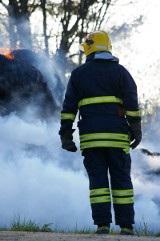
19, 23
74, 17
43, 7
77, 18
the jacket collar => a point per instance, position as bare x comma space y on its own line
102, 55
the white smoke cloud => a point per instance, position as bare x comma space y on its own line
146, 188
42, 182
37, 180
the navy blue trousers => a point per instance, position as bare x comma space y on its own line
109, 169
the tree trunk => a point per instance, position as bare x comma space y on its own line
43, 6
19, 23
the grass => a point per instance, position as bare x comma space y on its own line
144, 231
27, 225
31, 226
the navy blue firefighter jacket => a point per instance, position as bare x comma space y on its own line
105, 94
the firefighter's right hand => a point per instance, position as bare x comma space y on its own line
67, 141
136, 134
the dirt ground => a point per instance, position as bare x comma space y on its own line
29, 236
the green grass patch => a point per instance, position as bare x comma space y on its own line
144, 230
19, 224
28, 225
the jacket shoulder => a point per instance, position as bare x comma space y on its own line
79, 68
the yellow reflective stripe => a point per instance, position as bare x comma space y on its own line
99, 191
127, 192
103, 199
123, 200
126, 150
115, 136
99, 99
133, 113
67, 116
93, 144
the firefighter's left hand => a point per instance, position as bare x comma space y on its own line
136, 134
67, 141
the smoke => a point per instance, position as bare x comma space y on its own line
48, 68
146, 187
37, 180
42, 182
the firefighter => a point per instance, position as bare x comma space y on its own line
109, 124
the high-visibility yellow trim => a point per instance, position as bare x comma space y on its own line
93, 144
128, 200
99, 99
127, 192
67, 116
103, 199
126, 151
116, 136
133, 113
99, 191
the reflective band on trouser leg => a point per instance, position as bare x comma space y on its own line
99, 100
123, 196
100, 195
133, 113
68, 116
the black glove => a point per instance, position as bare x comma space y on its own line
135, 134
67, 141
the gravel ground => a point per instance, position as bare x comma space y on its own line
29, 236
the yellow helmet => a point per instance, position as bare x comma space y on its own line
95, 42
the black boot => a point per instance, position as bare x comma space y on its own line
103, 229
127, 230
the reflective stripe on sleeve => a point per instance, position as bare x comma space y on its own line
99, 99
68, 116
133, 113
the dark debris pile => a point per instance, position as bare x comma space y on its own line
23, 86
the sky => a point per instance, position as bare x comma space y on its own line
42, 182
138, 49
